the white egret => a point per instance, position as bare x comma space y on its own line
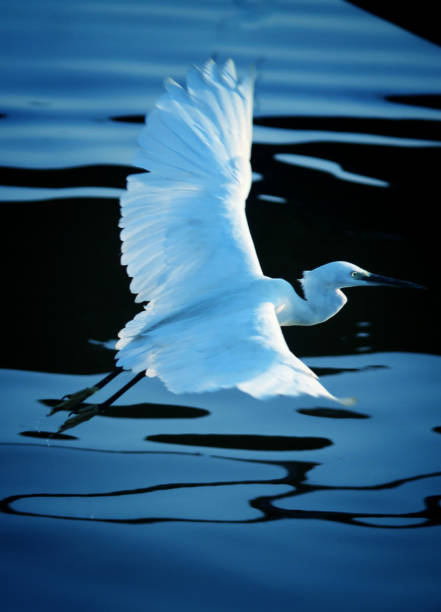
213, 320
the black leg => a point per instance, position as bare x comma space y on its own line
84, 414
113, 374
120, 392
69, 402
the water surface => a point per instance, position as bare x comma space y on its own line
219, 502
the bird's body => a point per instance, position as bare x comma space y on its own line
231, 337
213, 319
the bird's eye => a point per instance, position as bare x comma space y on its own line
354, 274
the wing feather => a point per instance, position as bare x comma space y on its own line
220, 344
183, 224
210, 322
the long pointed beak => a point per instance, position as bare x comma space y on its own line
377, 279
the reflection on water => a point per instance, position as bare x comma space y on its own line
324, 165
218, 502
233, 501
333, 413
245, 442
143, 411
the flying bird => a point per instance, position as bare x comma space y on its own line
213, 319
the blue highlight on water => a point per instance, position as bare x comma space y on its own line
346, 516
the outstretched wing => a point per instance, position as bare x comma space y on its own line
234, 341
184, 230
187, 247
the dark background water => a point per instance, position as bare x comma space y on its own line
218, 501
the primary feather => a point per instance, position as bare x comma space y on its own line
211, 321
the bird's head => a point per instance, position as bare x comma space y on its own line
341, 274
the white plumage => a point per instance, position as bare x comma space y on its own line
211, 320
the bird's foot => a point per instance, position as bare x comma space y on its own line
80, 416
70, 402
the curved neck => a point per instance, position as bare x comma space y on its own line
320, 304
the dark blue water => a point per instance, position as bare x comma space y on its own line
219, 502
